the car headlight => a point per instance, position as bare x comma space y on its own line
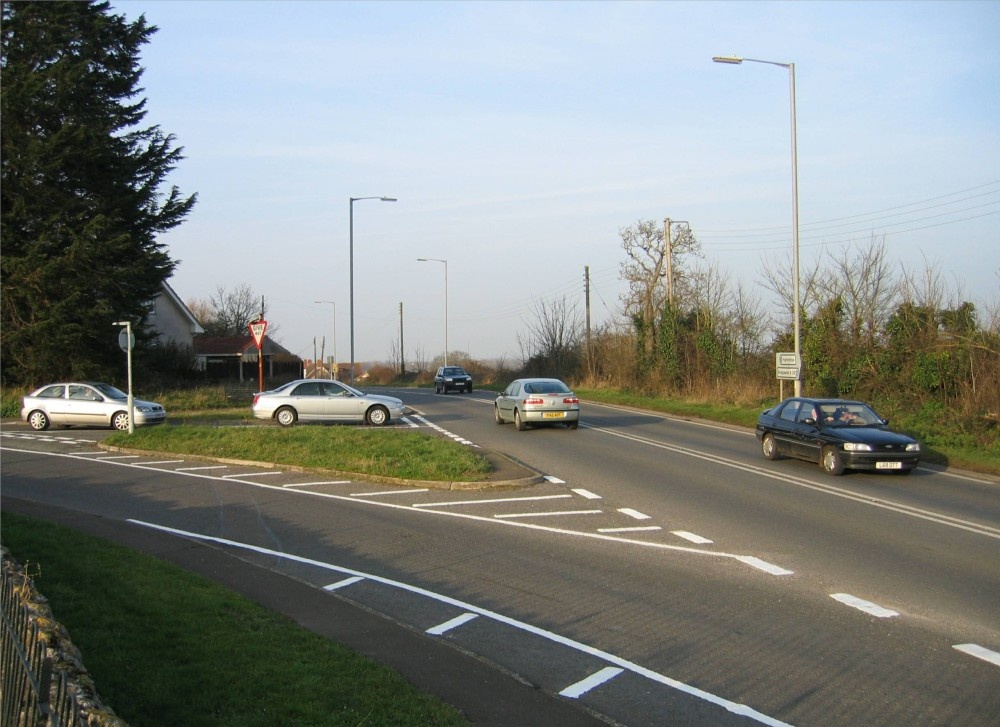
915, 447
144, 408
857, 447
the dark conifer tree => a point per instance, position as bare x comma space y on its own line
81, 192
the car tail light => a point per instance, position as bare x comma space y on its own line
571, 400
255, 398
534, 401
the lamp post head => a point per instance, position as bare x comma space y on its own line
388, 199
734, 60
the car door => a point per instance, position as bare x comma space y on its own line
807, 442
508, 400
340, 403
86, 406
307, 400
53, 401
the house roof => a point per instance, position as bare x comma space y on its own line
235, 346
185, 311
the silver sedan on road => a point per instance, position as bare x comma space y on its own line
325, 400
537, 401
86, 403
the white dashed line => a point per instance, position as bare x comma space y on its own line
453, 623
555, 480
341, 584
594, 680
862, 605
454, 503
979, 652
549, 514
763, 565
633, 513
692, 537
629, 530
587, 494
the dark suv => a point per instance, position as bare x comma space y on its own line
450, 378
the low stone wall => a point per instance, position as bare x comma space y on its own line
67, 663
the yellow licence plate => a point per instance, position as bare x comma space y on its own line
553, 415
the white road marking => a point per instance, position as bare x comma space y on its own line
979, 652
387, 493
198, 469
586, 493
641, 671
594, 680
166, 461
763, 565
633, 513
692, 537
550, 514
629, 530
451, 624
269, 473
341, 584
607, 537
862, 605
293, 485
555, 480
454, 503
121, 456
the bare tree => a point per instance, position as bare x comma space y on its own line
553, 340
867, 290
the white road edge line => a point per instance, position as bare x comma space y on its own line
594, 680
733, 707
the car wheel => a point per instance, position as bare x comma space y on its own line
437, 389
468, 389
377, 416
496, 414
286, 416
519, 422
120, 421
769, 447
38, 420
573, 425
831, 461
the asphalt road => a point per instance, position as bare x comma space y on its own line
665, 573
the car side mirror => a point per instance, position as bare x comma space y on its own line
810, 421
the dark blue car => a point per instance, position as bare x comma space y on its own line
838, 434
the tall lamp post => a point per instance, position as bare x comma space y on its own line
439, 260
795, 205
333, 373
353, 200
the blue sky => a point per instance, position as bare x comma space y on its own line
520, 137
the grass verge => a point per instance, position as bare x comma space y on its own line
380, 452
167, 647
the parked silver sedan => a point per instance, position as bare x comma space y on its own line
86, 404
537, 401
325, 400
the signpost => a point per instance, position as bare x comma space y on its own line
126, 340
257, 329
787, 367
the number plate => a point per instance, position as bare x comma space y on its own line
888, 465
553, 415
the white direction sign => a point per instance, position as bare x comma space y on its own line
787, 366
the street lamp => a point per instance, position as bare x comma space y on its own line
333, 373
438, 260
734, 60
353, 200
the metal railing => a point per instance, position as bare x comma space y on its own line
34, 692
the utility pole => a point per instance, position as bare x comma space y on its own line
669, 261
586, 288
402, 356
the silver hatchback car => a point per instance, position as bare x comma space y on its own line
325, 400
86, 403
537, 401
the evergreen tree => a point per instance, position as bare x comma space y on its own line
80, 193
